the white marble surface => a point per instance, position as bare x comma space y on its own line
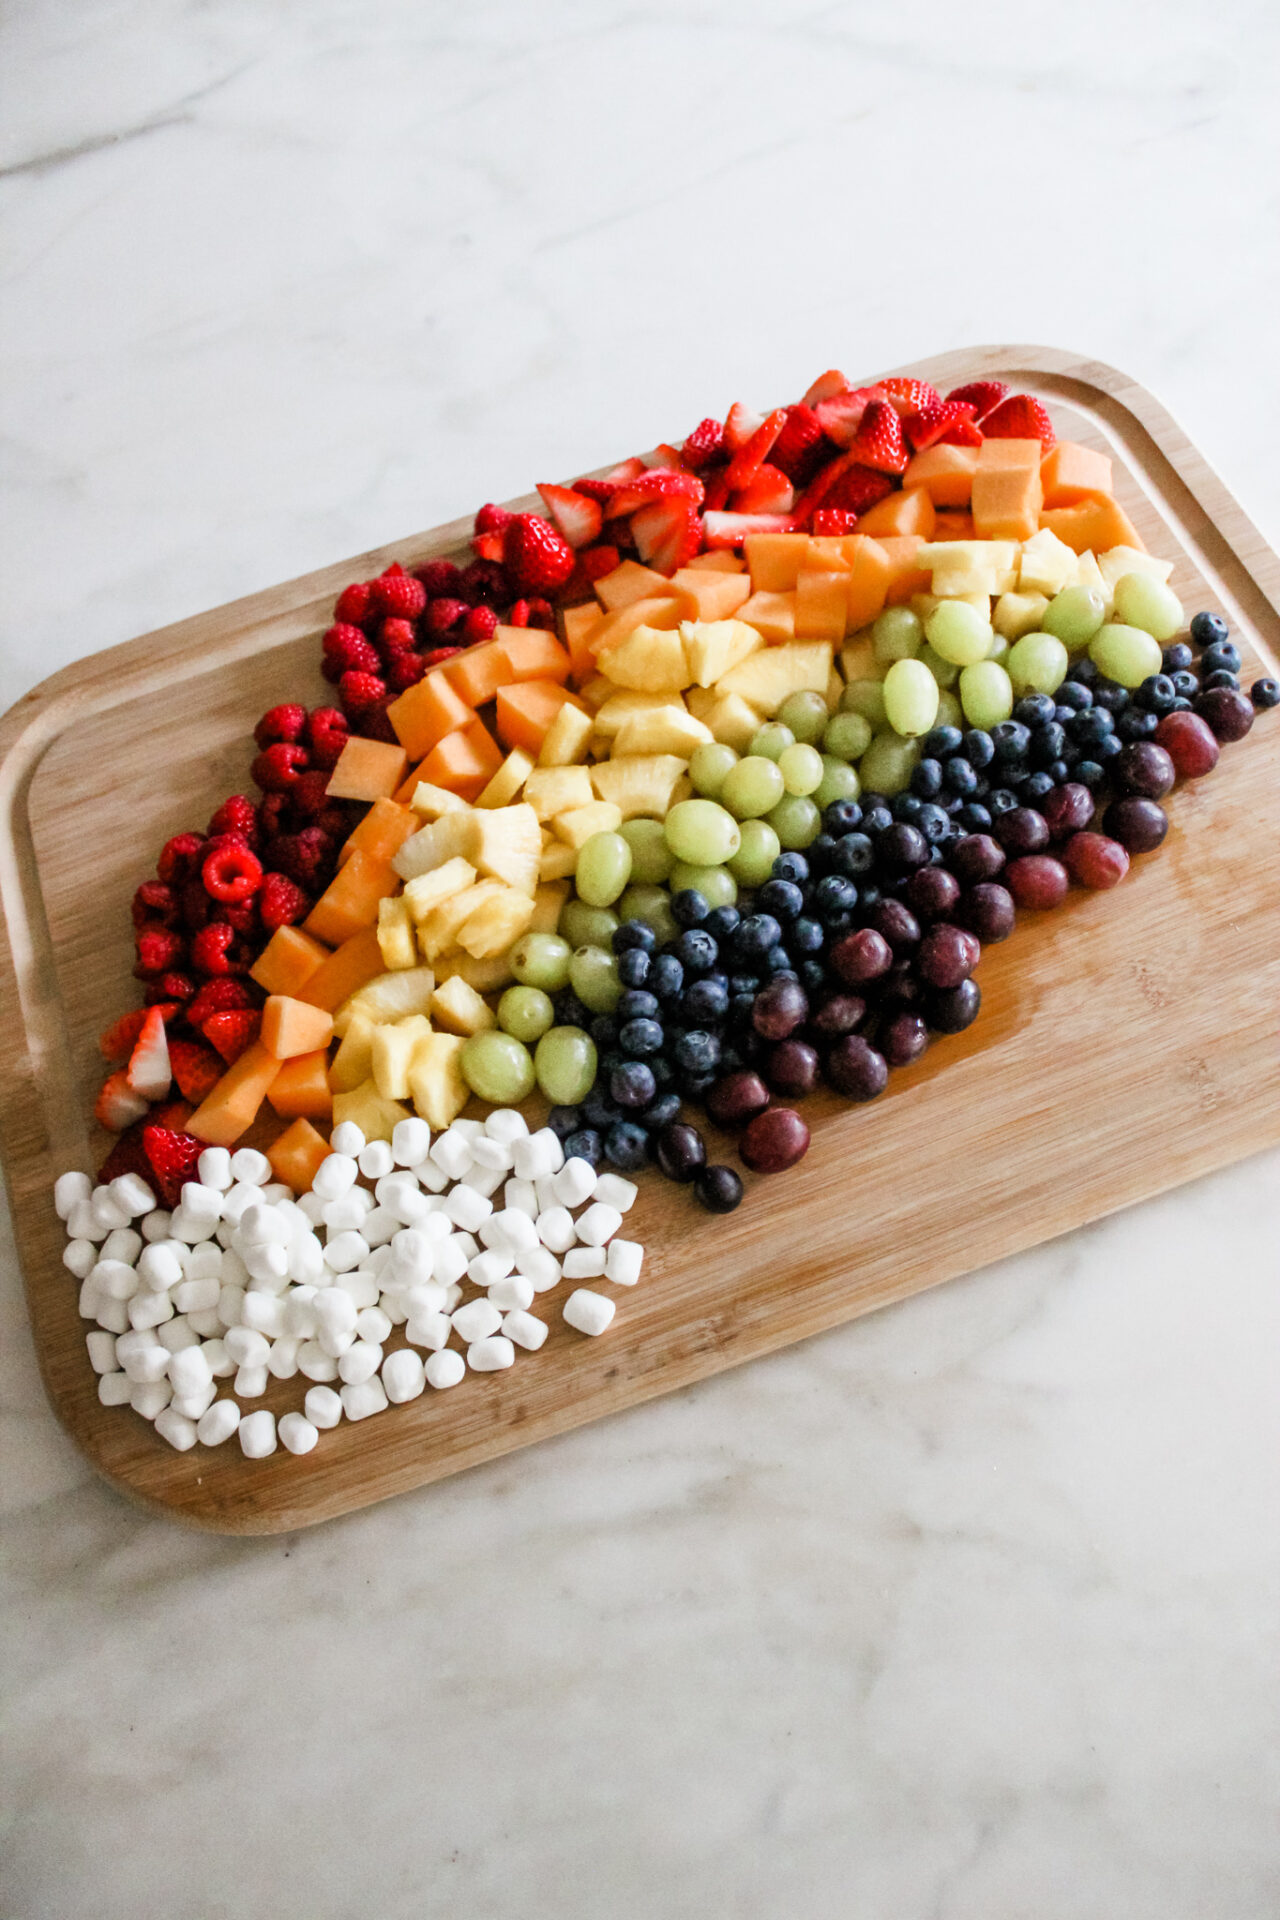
967, 1612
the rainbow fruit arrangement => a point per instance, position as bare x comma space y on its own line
705, 787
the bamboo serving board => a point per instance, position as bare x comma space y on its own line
1126, 1043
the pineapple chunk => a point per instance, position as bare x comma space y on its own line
453, 834
388, 997
438, 933
431, 801
559, 861
650, 660
765, 679
970, 566
394, 1047
566, 738
625, 706
733, 722
395, 934
1089, 574
436, 1084
422, 895
508, 843
711, 647
1018, 613
576, 826
353, 1062
1047, 564
458, 1008
644, 784
507, 781
596, 691
496, 924
663, 730
486, 976
834, 688
376, 1117
1121, 560
547, 903
553, 790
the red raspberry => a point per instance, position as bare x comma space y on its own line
272, 809
176, 986
542, 614
397, 636
336, 821
347, 651
308, 796
218, 996
327, 732
242, 915
405, 671
353, 604
399, 593
154, 901
237, 815
439, 577
492, 519
479, 625
197, 908
360, 693
303, 856
280, 723
484, 583
276, 770
443, 615
178, 857
159, 948
597, 561
211, 949
231, 874
281, 902
374, 725
535, 555
438, 656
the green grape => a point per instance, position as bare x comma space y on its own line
753, 862
910, 698
771, 740
751, 789
1000, 645
839, 781
801, 769
806, 715
896, 635
1143, 601
1074, 616
651, 857
959, 633
716, 884
525, 1013
848, 735
887, 765
593, 975
1038, 663
497, 1067
585, 926
945, 672
986, 694
701, 831
652, 905
950, 712
796, 820
865, 697
541, 960
1125, 654
708, 764
604, 868
565, 1063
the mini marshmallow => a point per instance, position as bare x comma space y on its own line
413, 1256
589, 1312
257, 1432
178, 1431
598, 1224
306, 1260
526, 1330
404, 1376
92, 1298
334, 1176
237, 1202
150, 1397
372, 1324
145, 1365
262, 1226
189, 1227
416, 1208
102, 1351
221, 1365
201, 1201
323, 1407
451, 1153
246, 1346
359, 1401
476, 1321
584, 1263
489, 1267
508, 1230
69, 1190
575, 1182
521, 1196
278, 1193
315, 1363
124, 1244
429, 1330
376, 1159
452, 1259
431, 1176
485, 1180
539, 1266
218, 1423
107, 1211
507, 1125
234, 1272
112, 1315
360, 1362
361, 1287
230, 1305
189, 1370
347, 1138
616, 1192
214, 1169
176, 1334
192, 1405
491, 1354
282, 1361
469, 1129
623, 1261
556, 1229
345, 1251
512, 1293
264, 1313
430, 1298
313, 1207
300, 1312
196, 1296
116, 1280
346, 1215
297, 1434
155, 1226
204, 1262
250, 1382
149, 1309
114, 1390
380, 1226
396, 1191
80, 1257
131, 1193
541, 1153
443, 1369
82, 1225
410, 1142
160, 1267
545, 1189
494, 1155
249, 1167
467, 1208
335, 1311
205, 1322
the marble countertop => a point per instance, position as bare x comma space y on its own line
964, 1612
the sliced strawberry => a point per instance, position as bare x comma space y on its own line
196, 1069
625, 470
964, 433
1020, 417
878, 442
747, 462
981, 395
126, 1156
933, 423
148, 1071
118, 1106
577, 517
117, 1041
704, 444
910, 396
601, 490
739, 424
658, 483
721, 530
841, 416
859, 487
665, 455
233, 1031
535, 556
834, 520
798, 448
717, 495
487, 546
171, 1113
667, 533
595, 562
767, 491
826, 387
172, 1157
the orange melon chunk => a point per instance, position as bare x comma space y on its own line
775, 559
905, 577
290, 1027
301, 1088
295, 1157
946, 474
350, 901
1007, 496
426, 713
868, 582
464, 763
630, 582
579, 625
477, 674
614, 628
532, 654
383, 831
232, 1107
716, 595
911, 511
288, 961
771, 614
953, 525
525, 712
367, 770
1093, 526
356, 962
719, 560
1070, 473
822, 601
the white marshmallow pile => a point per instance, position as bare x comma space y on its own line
241, 1283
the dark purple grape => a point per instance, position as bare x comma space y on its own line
1189, 742
988, 911
855, 1069
737, 1098
1068, 808
1228, 712
948, 954
1139, 825
774, 1141
1094, 861
976, 857
956, 1009
897, 924
780, 1008
718, 1189
933, 892
900, 988
1038, 881
680, 1151
903, 846
840, 1013
791, 1068
1144, 768
861, 956
904, 1039
1022, 831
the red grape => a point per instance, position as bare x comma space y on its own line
933, 891
976, 857
737, 1098
841, 1013
855, 1069
953, 1011
1188, 740
904, 1039
1094, 861
1022, 830
1139, 825
861, 956
1228, 711
897, 924
1067, 809
780, 1008
948, 954
987, 910
1144, 768
680, 1151
774, 1141
1038, 881
792, 1068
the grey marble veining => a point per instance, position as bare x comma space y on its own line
964, 1612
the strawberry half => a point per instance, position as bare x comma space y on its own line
878, 442
665, 455
747, 462
704, 444
721, 530
117, 1041
931, 424
797, 448
196, 1069
981, 395
767, 491
826, 387
656, 483
739, 424
148, 1072
841, 416
859, 488
231, 1032
172, 1158
1020, 417
535, 556
118, 1106
577, 517
834, 520
667, 533
910, 396
126, 1156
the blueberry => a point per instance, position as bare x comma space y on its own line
635, 1004
696, 951
842, 816
906, 808
1074, 694
1091, 726
958, 776
813, 976
941, 742
1265, 694
1038, 787
1089, 774
696, 1051
778, 960
641, 1037
1034, 710
662, 1071
660, 1112
1047, 742
570, 1011
1108, 747
1058, 771
689, 908
806, 935
666, 977
740, 983
756, 936
741, 1006
1177, 658
1001, 801
563, 1121
974, 817
1209, 629
707, 1000
1219, 677
791, 866
926, 778
633, 966
979, 748
933, 823
634, 935
1182, 704
820, 852
604, 1031
721, 921
876, 819
854, 855
834, 897
585, 1144
632, 1084
599, 1111
782, 898
626, 1146
1157, 693
1139, 723
869, 898
1010, 740
1107, 694
1084, 674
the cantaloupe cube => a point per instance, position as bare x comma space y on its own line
353, 1061
578, 624
295, 1157
576, 826
350, 901
464, 762
477, 672
301, 1088
1070, 473
429, 711
910, 511
547, 904
508, 780
290, 1027
868, 585
396, 935
660, 615
232, 1107
1094, 524
526, 711
426, 891
365, 1107
720, 560
905, 575
827, 553
711, 647
486, 976
765, 680
628, 583
946, 474
437, 1086
394, 1047
565, 742
557, 861
1007, 496
456, 1007
288, 961
717, 596
773, 615
774, 560
532, 654
822, 601
367, 770
344, 972
953, 524
732, 721
382, 832
645, 785
391, 997
430, 802
553, 790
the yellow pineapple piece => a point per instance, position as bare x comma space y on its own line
458, 1008
547, 903
393, 1049
376, 1117
423, 894
553, 790
436, 1085
438, 933
923, 604
626, 705
662, 730
596, 691
1046, 564
388, 997
507, 781
1018, 613
353, 1062
711, 647
508, 843
1089, 574
576, 826
700, 701
959, 567
454, 834
431, 801
650, 660
486, 976
733, 722
496, 924
765, 679
395, 934
643, 785
559, 860
565, 741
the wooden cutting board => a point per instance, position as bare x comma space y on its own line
1126, 1043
